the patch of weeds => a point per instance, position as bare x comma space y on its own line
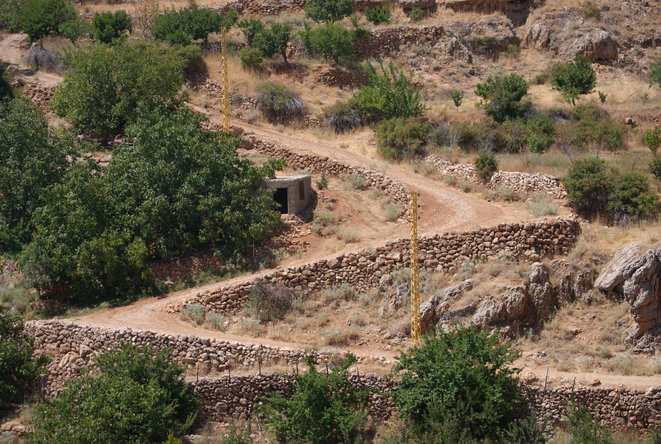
322, 182
541, 204
356, 181
465, 186
451, 180
565, 365
193, 313
215, 321
507, 194
590, 10
422, 167
348, 235
467, 270
324, 223
391, 212
249, 327
344, 291
334, 337
268, 302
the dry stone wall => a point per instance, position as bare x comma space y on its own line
367, 268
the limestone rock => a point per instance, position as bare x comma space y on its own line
613, 274
596, 44
642, 290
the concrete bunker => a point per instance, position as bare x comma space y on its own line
292, 193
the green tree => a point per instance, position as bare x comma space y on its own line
108, 26
102, 92
378, 15
139, 396
19, 368
541, 132
457, 98
328, 10
331, 40
402, 138
586, 429
182, 26
589, 184
652, 138
251, 58
11, 14
389, 93
655, 168
250, 28
486, 165
655, 72
32, 158
632, 197
459, 381
274, 40
5, 87
501, 96
574, 79
325, 408
43, 17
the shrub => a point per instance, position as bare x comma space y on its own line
390, 93
602, 96
323, 181
501, 96
328, 10
402, 138
344, 117
11, 13
108, 26
457, 98
391, 212
325, 407
416, 13
251, 58
250, 28
378, 15
486, 165
193, 313
190, 24
652, 138
632, 197
41, 58
348, 235
19, 369
43, 17
274, 40
194, 66
460, 380
596, 128
584, 428
541, 131
590, 10
589, 184
356, 181
324, 223
543, 78
5, 87
278, 104
523, 431
137, 397
574, 79
542, 205
331, 40
655, 72
215, 321
268, 302
655, 167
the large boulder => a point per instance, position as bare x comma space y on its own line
595, 44
642, 290
612, 275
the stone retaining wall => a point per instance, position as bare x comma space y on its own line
365, 269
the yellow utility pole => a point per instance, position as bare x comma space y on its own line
415, 289
225, 81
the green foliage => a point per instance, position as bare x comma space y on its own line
43, 17
11, 15
632, 197
655, 167
589, 184
250, 28
32, 158
590, 10
417, 13
325, 408
19, 369
236, 436
461, 381
501, 96
268, 302
328, 10
344, 116
251, 58
194, 66
457, 98
523, 431
486, 165
139, 396
274, 40
279, 104
574, 79
389, 93
181, 26
652, 138
402, 138
602, 96
655, 72
378, 15
586, 429
331, 40
541, 132
323, 181
108, 26
5, 87
102, 92
594, 127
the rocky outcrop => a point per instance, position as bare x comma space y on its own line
612, 276
642, 290
596, 44
386, 41
435, 308
407, 5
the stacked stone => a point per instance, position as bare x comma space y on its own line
385, 41
40, 95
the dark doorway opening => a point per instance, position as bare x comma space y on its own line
280, 198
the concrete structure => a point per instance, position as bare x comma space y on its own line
292, 193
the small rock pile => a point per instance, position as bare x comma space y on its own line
40, 95
385, 41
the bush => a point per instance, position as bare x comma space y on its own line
268, 302
632, 197
43, 17
655, 167
541, 131
584, 428
574, 79
589, 184
108, 26
417, 13
594, 127
542, 205
278, 104
41, 58
655, 72
274, 40
251, 58
137, 397
190, 24
378, 15
11, 14
193, 313
19, 369
457, 98
344, 117
486, 165
328, 10
194, 66
5, 87
460, 381
390, 93
523, 431
590, 10
250, 28
402, 138
325, 408
501, 96
652, 138
215, 321
331, 40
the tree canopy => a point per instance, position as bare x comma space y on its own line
273, 40
574, 79
331, 40
502, 95
40, 18
108, 26
328, 10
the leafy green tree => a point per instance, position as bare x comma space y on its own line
402, 138
11, 15
652, 138
655, 72
461, 381
501, 96
457, 98
486, 165
139, 396
102, 92
378, 15
43, 17
328, 10
589, 184
108, 26
389, 93
5, 87
19, 369
585, 428
32, 158
594, 127
323, 409
274, 40
251, 58
250, 28
632, 197
574, 79
541, 132
182, 26
331, 40
655, 168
